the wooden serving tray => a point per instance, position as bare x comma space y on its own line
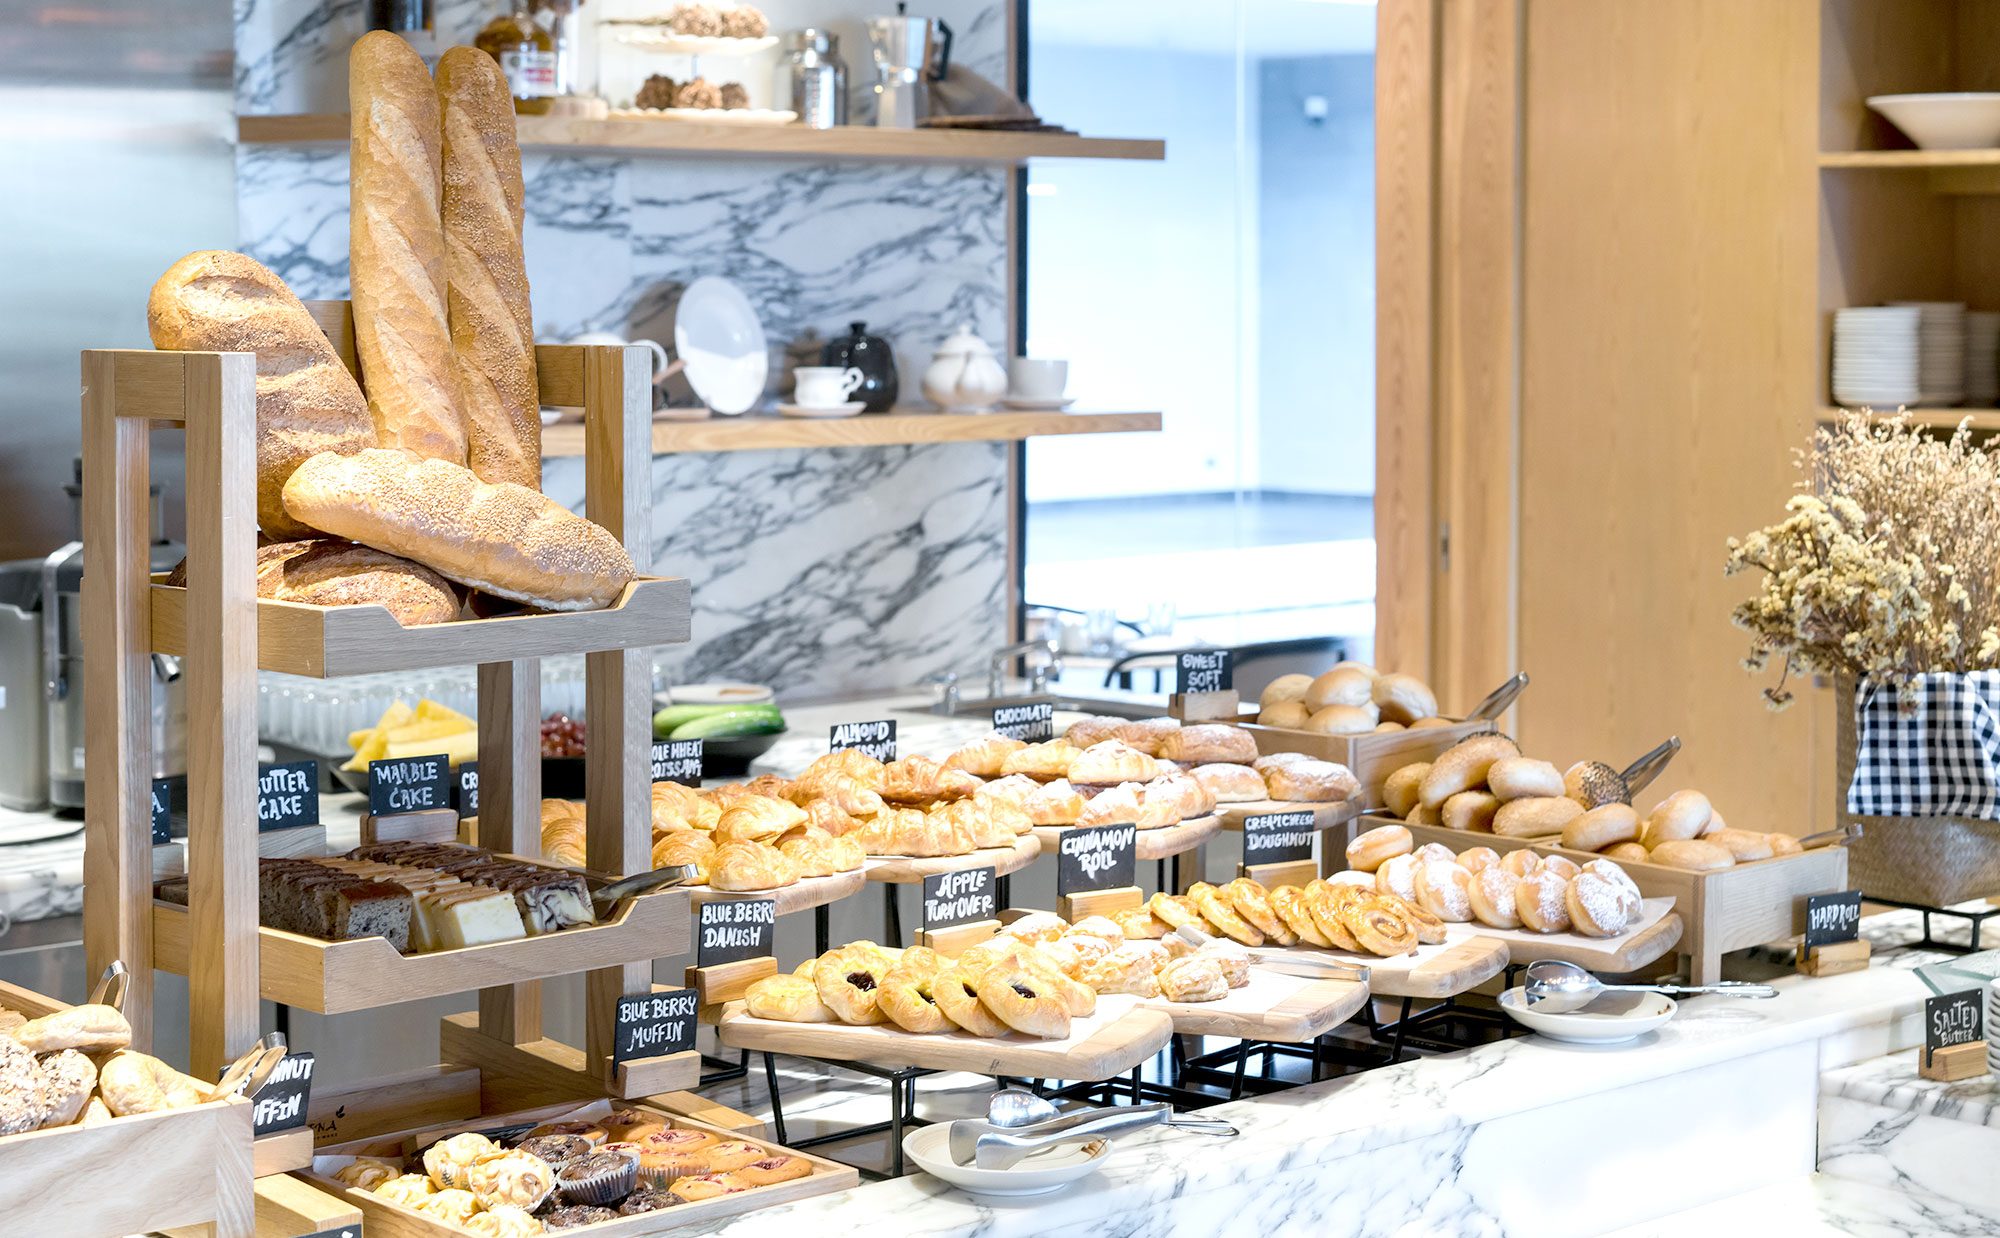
802, 895
1120, 1035
909, 870
337, 977
1151, 844
1460, 965
1371, 757
1273, 1006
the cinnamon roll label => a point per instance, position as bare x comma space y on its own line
1204, 670
653, 1024
1034, 723
677, 760
959, 898
1103, 857
731, 930
1277, 837
877, 739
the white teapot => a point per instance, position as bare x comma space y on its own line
964, 376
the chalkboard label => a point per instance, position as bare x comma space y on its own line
1953, 1019
408, 784
1034, 723
1104, 857
288, 795
877, 739
341, 1231
163, 810
677, 760
653, 1025
731, 930
959, 898
280, 1105
468, 789
1832, 918
1205, 670
1277, 837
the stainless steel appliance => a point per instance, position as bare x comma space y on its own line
909, 53
814, 78
24, 725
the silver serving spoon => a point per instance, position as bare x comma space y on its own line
1014, 1109
1556, 987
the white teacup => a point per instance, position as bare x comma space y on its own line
606, 337
1028, 379
824, 386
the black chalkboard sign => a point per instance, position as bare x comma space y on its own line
877, 739
1103, 857
1953, 1019
653, 1025
1277, 837
1204, 670
1034, 722
468, 789
731, 930
408, 784
959, 898
280, 1105
163, 810
341, 1231
677, 760
287, 795
1832, 918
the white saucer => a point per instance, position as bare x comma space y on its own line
1038, 406
816, 410
1645, 1012
1039, 1174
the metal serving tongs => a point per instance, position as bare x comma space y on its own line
1828, 838
248, 1074
111, 986
1311, 966
1640, 773
1499, 699
605, 897
1003, 1142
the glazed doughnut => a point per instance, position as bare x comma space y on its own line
1430, 929
1478, 859
1682, 815
774, 1169
1399, 877
1596, 906
1603, 826
1253, 903
1626, 851
131, 1082
849, 981
1521, 862
1176, 909
1290, 904
1629, 890
1369, 851
1470, 811
1221, 916
1561, 865
906, 995
1399, 790
1325, 899
1379, 928
1540, 901
1023, 1000
1492, 893
1441, 890
959, 1001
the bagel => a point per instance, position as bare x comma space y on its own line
1023, 999
906, 992
132, 1082
1784, 844
1698, 854
1742, 844
1603, 826
958, 1000
1462, 767
1535, 817
1471, 811
1626, 851
1216, 909
849, 981
1399, 790
1253, 903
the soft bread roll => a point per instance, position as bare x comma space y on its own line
486, 278
307, 402
1743, 845
1519, 777
1343, 720
1784, 844
1682, 815
1343, 685
1695, 853
1427, 724
1399, 790
1535, 817
1289, 714
1604, 826
506, 539
1284, 688
1462, 767
1626, 851
1470, 810
1404, 698
396, 250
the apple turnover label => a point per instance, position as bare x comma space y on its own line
408, 784
677, 760
731, 930
163, 810
280, 1105
1832, 918
288, 795
877, 739
959, 898
1104, 857
1277, 837
1205, 670
468, 788
1034, 723
653, 1025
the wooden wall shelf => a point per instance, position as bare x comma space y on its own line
667, 137
757, 433
1949, 171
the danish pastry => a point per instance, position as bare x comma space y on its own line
1290, 904
788, 999
1430, 928
1206, 743
1023, 999
1043, 762
1178, 910
1140, 924
1379, 927
958, 1000
1196, 978
1398, 876
1370, 850
1311, 782
1540, 901
750, 866
984, 757
1443, 890
1493, 893
1251, 901
1112, 761
1216, 909
1326, 900
1596, 906
849, 981
1079, 999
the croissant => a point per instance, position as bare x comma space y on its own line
1015, 789
684, 803
1118, 806
920, 780
756, 817
771, 785
844, 791
562, 833
809, 848
1112, 761
1042, 762
1055, 804
829, 816
978, 823
983, 758
851, 762
1187, 794
750, 866
684, 847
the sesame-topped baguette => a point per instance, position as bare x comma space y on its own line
492, 328
396, 251
505, 539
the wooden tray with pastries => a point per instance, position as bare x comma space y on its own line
385, 1176
1273, 1006
802, 895
909, 870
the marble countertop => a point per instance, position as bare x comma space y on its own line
1893, 1083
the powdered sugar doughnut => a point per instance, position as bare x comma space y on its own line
1492, 894
1352, 877
1371, 850
1521, 862
1398, 876
1436, 853
1442, 891
1478, 859
1634, 901
1596, 906
1539, 899
1561, 865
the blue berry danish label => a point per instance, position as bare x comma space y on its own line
731, 930
1104, 857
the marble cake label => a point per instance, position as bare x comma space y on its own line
653, 1025
677, 760
288, 795
959, 898
731, 930
1277, 837
1832, 918
877, 739
1204, 670
1034, 723
1103, 857
408, 784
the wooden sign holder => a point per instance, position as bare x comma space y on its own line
432, 825
956, 939
1286, 873
1954, 1062
1834, 959
1074, 907
1223, 706
721, 983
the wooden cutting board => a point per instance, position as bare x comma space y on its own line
1151, 844
1430, 971
907, 870
802, 895
1658, 932
1273, 1006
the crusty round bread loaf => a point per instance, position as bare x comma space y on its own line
1343, 686
1291, 714
1463, 766
1625, 851
307, 402
1516, 778
1743, 845
505, 539
1285, 688
1343, 720
1404, 698
1535, 817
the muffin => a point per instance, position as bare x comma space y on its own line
600, 1178
408, 1190
646, 1199
576, 1215
506, 1221
451, 1204
556, 1149
367, 1173
512, 1177
588, 1130
733, 95
447, 1160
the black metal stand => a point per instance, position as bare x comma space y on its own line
721, 1070
892, 918
902, 1110
822, 928
1927, 942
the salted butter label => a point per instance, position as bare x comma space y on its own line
877, 739
163, 810
1103, 857
959, 898
731, 930
288, 795
468, 788
1034, 722
1832, 918
280, 1105
1277, 837
1204, 670
653, 1025
408, 784
677, 760
1953, 1019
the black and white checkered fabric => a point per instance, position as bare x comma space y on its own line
1938, 757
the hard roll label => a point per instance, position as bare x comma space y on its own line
1953, 1019
1832, 918
731, 930
280, 1105
959, 898
677, 760
163, 810
468, 788
1277, 837
877, 739
1104, 857
653, 1025
1205, 670
408, 784
288, 795
1035, 723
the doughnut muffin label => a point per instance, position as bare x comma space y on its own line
1103, 857
280, 1105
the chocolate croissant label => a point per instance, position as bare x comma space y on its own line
877, 739
959, 898
1204, 670
1033, 723
1103, 857
653, 1024
1277, 837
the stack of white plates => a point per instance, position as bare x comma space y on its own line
1875, 356
1982, 359
1940, 351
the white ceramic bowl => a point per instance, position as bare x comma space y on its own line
929, 1147
1651, 1010
1963, 120
719, 694
718, 335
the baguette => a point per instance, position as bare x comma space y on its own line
486, 278
505, 539
396, 251
324, 573
307, 402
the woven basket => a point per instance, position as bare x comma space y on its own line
1930, 861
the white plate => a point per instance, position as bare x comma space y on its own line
709, 115
716, 332
654, 38
822, 410
930, 1147
1038, 406
719, 694
1649, 1011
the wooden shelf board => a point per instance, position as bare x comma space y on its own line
1984, 420
669, 137
1949, 171
762, 432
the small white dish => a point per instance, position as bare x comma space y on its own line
1643, 1013
1944, 120
1037, 406
719, 694
1039, 1174
717, 333
817, 410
